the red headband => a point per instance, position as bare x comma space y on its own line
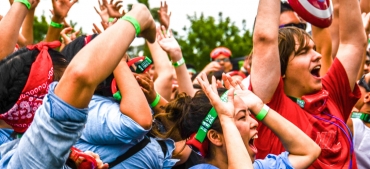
41, 75
202, 147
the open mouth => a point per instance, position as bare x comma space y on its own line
251, 143
316, 71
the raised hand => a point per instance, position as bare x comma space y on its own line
103, 13
68, 39
164, 17
168, 43
62, 7
96, 29
65, 23
212, 67
113, 9
106, 25
222, 108
147, 24
147, 86
230, 82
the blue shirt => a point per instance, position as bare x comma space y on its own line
47, 142
5, 135
270, 162
110, 134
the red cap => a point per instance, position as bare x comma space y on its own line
220, 50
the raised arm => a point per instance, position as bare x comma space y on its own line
322, 39
173, 49
60, 11
10, 26
352, 38
96, 61
26, 36
129, 87
265, 72
302, 149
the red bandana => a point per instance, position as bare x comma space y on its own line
21, 114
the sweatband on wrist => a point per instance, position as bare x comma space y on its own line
110, 19
134, 22
263, 112
56, 25
156, 101
25, 2
179, 63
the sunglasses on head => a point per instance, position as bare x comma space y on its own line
222, 60
363, 84
297, 25
219, 52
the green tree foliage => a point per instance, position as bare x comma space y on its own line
205, 34
40, 28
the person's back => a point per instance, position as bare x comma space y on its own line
110, 133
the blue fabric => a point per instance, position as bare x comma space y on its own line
47, 141
5, 135
270, 162
110, 134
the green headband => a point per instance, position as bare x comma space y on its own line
208, 121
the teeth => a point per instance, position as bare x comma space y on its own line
255, 136
317, 67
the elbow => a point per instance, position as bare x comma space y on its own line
261, 37
314, 152
79, 75
145, 123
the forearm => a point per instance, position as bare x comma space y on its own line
183, 78
94, 63
132, 96
9, 28
237, 157
302, 149
27, 28
53, 33
350, 23
322, 39
265, 72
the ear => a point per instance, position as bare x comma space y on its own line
367, 97
215, 137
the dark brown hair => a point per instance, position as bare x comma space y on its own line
288, 37
187, 115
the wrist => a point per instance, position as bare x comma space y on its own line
57, 19
257, 108
152, 97
225, 120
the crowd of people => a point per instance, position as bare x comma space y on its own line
300, 100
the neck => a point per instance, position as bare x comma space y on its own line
292, 91
365, 109
219, 160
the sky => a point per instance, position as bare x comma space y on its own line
84, 14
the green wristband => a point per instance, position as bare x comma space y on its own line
25, 2
262, 114
56, 25
156, 101
110, 19
134, 22
179, 63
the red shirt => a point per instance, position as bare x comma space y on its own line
335, 147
